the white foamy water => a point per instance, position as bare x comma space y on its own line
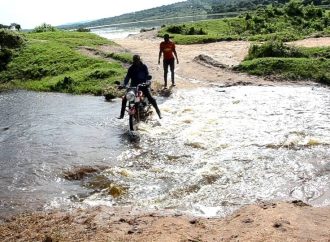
215, 150
218, 149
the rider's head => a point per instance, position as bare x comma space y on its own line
166, 37
136, 59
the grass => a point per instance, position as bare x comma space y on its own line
273, 25
274, 58
289, 22
50, 59
123, 57
215, 30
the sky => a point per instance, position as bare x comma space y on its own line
31, 13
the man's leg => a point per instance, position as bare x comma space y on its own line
172, 71
165, 65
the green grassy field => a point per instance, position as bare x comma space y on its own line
289, 22
287, 62
50, 61
273, 25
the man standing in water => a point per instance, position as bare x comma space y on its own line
167, 48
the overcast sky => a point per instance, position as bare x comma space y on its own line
31, 13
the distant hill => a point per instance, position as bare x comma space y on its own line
185, 8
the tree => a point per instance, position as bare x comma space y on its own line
294, 8
16, 26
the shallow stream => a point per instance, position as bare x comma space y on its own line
215, 150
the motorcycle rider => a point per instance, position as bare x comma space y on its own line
138, 73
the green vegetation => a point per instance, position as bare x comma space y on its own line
188, 8
123, 57
44, 28
274, 24
50, 61
277, 59
10, 42
292, 21
83, 30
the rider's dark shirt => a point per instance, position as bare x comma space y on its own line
138, 74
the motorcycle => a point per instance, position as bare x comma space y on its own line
138, 106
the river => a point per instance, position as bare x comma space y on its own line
123, 30
215, 150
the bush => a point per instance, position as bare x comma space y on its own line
9, 40
83, 30
44, 28
176, 29
294, 8
273, 48
65, 85
5, 58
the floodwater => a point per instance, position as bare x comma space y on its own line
215, 150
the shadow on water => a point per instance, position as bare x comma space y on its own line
131, 136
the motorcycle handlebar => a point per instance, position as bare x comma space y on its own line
146, 84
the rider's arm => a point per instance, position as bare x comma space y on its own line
148, 82
146, 70
128, 76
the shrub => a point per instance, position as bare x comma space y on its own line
83, 30
9, 40
294, 8
44, 28
63, 85
273, 48
176, 29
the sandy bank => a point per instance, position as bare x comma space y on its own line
261, 222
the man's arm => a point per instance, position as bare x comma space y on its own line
160, 51
159, 55
176, 56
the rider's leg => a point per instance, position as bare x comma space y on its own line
123, 106
153, 102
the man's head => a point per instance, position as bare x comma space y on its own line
166, 37
136, 59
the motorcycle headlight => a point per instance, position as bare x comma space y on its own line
130, 96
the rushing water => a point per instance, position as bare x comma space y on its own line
215, 150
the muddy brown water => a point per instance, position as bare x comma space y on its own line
215, 150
